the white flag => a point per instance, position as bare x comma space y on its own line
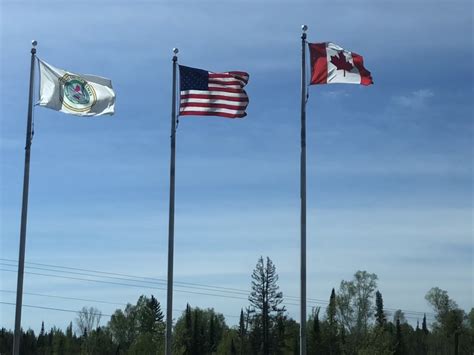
76, 94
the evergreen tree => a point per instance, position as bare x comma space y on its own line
146, 326
277, 344
6, 341
192, 333
212, 335
41, 343
198, 332
420, 340
242, 332
399, 346
70, 346
296, 345
379, 313
233, 350
28, 344
331, 338
332, 310
50, 338
188, 330
315, 333
424, 327
158, 317
265, 298
317, 326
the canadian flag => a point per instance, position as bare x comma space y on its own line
331, 64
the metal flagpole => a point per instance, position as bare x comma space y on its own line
169, 304
24, 209
303, 193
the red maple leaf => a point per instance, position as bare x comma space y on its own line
341, 63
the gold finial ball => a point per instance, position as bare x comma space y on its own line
304, 28
34, 43
175, 50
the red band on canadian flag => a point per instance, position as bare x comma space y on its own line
331, 64
319, 64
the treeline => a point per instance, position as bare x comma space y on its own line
354, 322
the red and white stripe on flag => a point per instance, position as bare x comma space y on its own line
205, 93
331, 64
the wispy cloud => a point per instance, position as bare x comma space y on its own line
415, 99
335, 94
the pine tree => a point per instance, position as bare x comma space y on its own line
424, 328
212, 335
41, 341
197, 334
421, 348
157, 312
317, 327
242, 331
265, 298
157, 320
379, 313
332, 341
69, 341
69, 330
331, 310
233, 351
399, 346
278, 340
188, 325
316, 332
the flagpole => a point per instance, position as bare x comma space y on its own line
24, 209
169, 304
304, 28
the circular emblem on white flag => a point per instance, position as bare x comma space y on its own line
76, 94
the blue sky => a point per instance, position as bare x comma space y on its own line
389, 166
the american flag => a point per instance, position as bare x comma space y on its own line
204, 93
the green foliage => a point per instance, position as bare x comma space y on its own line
314, 332
451, 322
242, 333
399, 342
355, 308
97, 342
138, 326
229, 343
28, 343
424, 327
379, 312
349, 326
265, 300
193, 333
6, 341
378, 341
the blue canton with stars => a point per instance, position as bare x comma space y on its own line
193, 79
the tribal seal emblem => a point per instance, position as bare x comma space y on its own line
77, 94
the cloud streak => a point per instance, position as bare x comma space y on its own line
414, 100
